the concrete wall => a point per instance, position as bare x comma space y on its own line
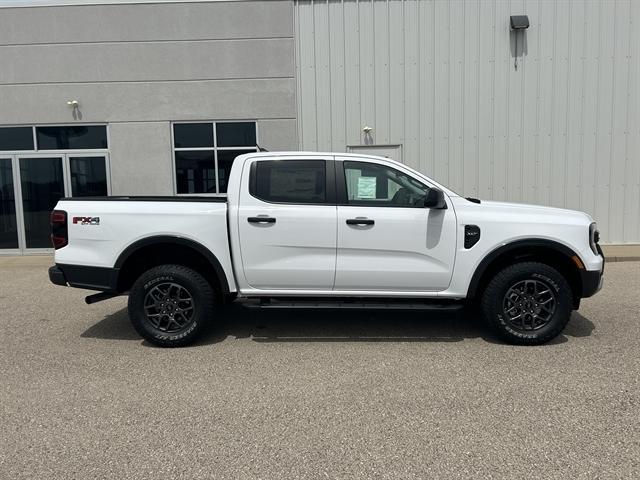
138, 67
438, 77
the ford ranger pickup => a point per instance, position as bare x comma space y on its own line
334, 230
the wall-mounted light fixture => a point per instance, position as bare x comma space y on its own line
74, 105
367, 135
518, 22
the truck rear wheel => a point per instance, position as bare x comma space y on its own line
169, 305
527, 303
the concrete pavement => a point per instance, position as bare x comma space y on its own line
304, 394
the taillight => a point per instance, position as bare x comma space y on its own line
59, 233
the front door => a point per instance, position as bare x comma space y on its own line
387, 239
287, 224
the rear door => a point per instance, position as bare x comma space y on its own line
387, 239
287, 223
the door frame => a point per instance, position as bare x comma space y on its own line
66, 179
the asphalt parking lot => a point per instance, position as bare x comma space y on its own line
305, 394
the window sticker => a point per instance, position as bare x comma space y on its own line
366, 187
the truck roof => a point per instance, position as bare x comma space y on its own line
317, 154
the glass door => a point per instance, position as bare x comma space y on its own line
30, 187
41, 186
8, 211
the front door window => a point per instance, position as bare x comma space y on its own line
374, 185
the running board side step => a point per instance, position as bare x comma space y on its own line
360, 303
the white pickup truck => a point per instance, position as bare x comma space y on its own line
335, 230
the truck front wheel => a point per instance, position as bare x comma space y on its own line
527, 303
169, 305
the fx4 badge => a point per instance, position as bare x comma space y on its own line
86, 220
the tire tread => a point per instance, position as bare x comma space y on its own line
493, 294
136, 297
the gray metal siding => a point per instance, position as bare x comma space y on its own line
438, 77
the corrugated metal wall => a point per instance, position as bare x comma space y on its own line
438, 77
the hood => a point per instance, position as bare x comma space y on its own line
512, 210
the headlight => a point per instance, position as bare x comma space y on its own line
594, 237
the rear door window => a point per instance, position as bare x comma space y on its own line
290, 181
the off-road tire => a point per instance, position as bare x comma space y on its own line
494, 299
186, 288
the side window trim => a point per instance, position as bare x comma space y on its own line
341, 186
330, 183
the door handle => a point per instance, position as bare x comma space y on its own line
261, 220
360, 221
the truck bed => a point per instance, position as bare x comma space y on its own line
102, 230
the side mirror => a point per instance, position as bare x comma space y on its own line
435, 199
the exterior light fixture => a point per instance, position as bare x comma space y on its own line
518, 22
74, 105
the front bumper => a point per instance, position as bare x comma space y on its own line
591, 282
592, 279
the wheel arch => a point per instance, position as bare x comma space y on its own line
143, 254
550, 252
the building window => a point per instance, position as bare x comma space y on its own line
63, 137
75, 137
204, 153
16, 138
88, 176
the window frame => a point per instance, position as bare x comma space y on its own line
342, 193
58, 150
215, 149
329, 178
